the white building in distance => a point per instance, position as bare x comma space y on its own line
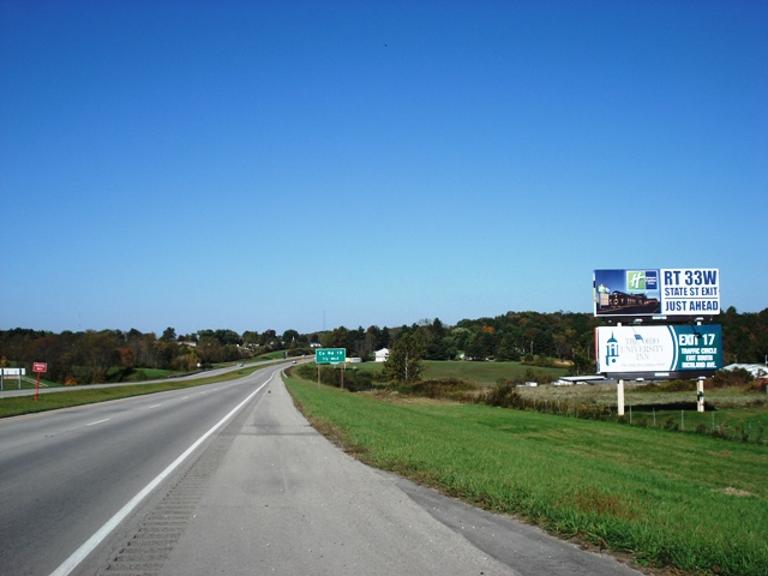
757, 370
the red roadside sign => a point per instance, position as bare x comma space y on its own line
38, 368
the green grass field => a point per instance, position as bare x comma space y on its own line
738, 413
691, 502
484, 373
637, 394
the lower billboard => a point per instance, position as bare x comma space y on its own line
659, 351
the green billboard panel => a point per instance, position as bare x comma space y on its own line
659, 349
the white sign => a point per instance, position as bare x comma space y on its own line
14, 371
659, 349
690, 291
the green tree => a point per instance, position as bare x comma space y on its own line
290, 338
507, 348
251, 337
169, 335
404, 362
582, 364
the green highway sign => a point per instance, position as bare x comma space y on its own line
330, 355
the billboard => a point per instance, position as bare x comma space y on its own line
657, 292
658, 350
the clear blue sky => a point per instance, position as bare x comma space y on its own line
250, 165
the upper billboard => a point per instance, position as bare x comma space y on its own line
657, 292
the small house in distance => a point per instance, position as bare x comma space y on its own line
381, 355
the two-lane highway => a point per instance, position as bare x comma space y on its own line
64, 474
11, 392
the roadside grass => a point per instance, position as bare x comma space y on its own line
139, 374
693, 503
732, 412
744, 424
638, 394
275, 355
28, 383
27, 405
483, 373
155, 373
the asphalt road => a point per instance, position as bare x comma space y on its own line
273, 496
64, 473
261, 492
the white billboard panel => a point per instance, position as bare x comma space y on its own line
690, 291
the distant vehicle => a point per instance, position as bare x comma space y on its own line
241, 365
293, 361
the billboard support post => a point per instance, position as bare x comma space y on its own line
700, 395
620, 397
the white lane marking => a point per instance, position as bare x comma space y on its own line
98, 422
89, 545
154, 405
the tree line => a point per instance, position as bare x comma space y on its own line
534, 337
113, 355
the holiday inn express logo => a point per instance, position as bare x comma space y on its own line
642, 280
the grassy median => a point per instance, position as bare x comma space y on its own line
55, 400
689, 502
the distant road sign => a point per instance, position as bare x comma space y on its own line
40, 367
330, 355
13, 371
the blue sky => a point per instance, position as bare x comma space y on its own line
254, 165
